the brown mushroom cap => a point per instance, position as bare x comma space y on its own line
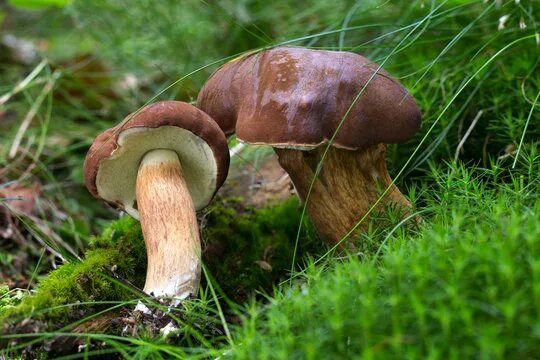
112, 163
296, 98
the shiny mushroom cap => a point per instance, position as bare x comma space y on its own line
296, 98
112, 163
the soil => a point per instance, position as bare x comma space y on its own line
259, 187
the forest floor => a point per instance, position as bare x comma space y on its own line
459, 278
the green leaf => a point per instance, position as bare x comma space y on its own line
37, 4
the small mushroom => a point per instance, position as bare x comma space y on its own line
295, 99
161, 165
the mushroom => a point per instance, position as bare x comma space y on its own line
160, 165
294, 100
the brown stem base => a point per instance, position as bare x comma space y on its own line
349, 183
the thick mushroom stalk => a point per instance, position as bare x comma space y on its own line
169, 226
348, 185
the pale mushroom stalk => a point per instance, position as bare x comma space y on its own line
169, 226
161, 165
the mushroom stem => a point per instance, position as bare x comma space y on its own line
169, 226
349, 183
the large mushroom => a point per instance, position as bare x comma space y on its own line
295, 99
161, 165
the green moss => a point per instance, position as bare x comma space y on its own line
245, 250
63, 295
9, 299
466, 286
249, 249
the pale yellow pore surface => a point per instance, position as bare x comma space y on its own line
117, 174
169, 226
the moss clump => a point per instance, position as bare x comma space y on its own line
9, 299
466, 287
248, 249
245, 249
75, 289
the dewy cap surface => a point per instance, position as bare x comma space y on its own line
112, 163
296, 98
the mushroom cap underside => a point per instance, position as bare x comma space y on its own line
112, 162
